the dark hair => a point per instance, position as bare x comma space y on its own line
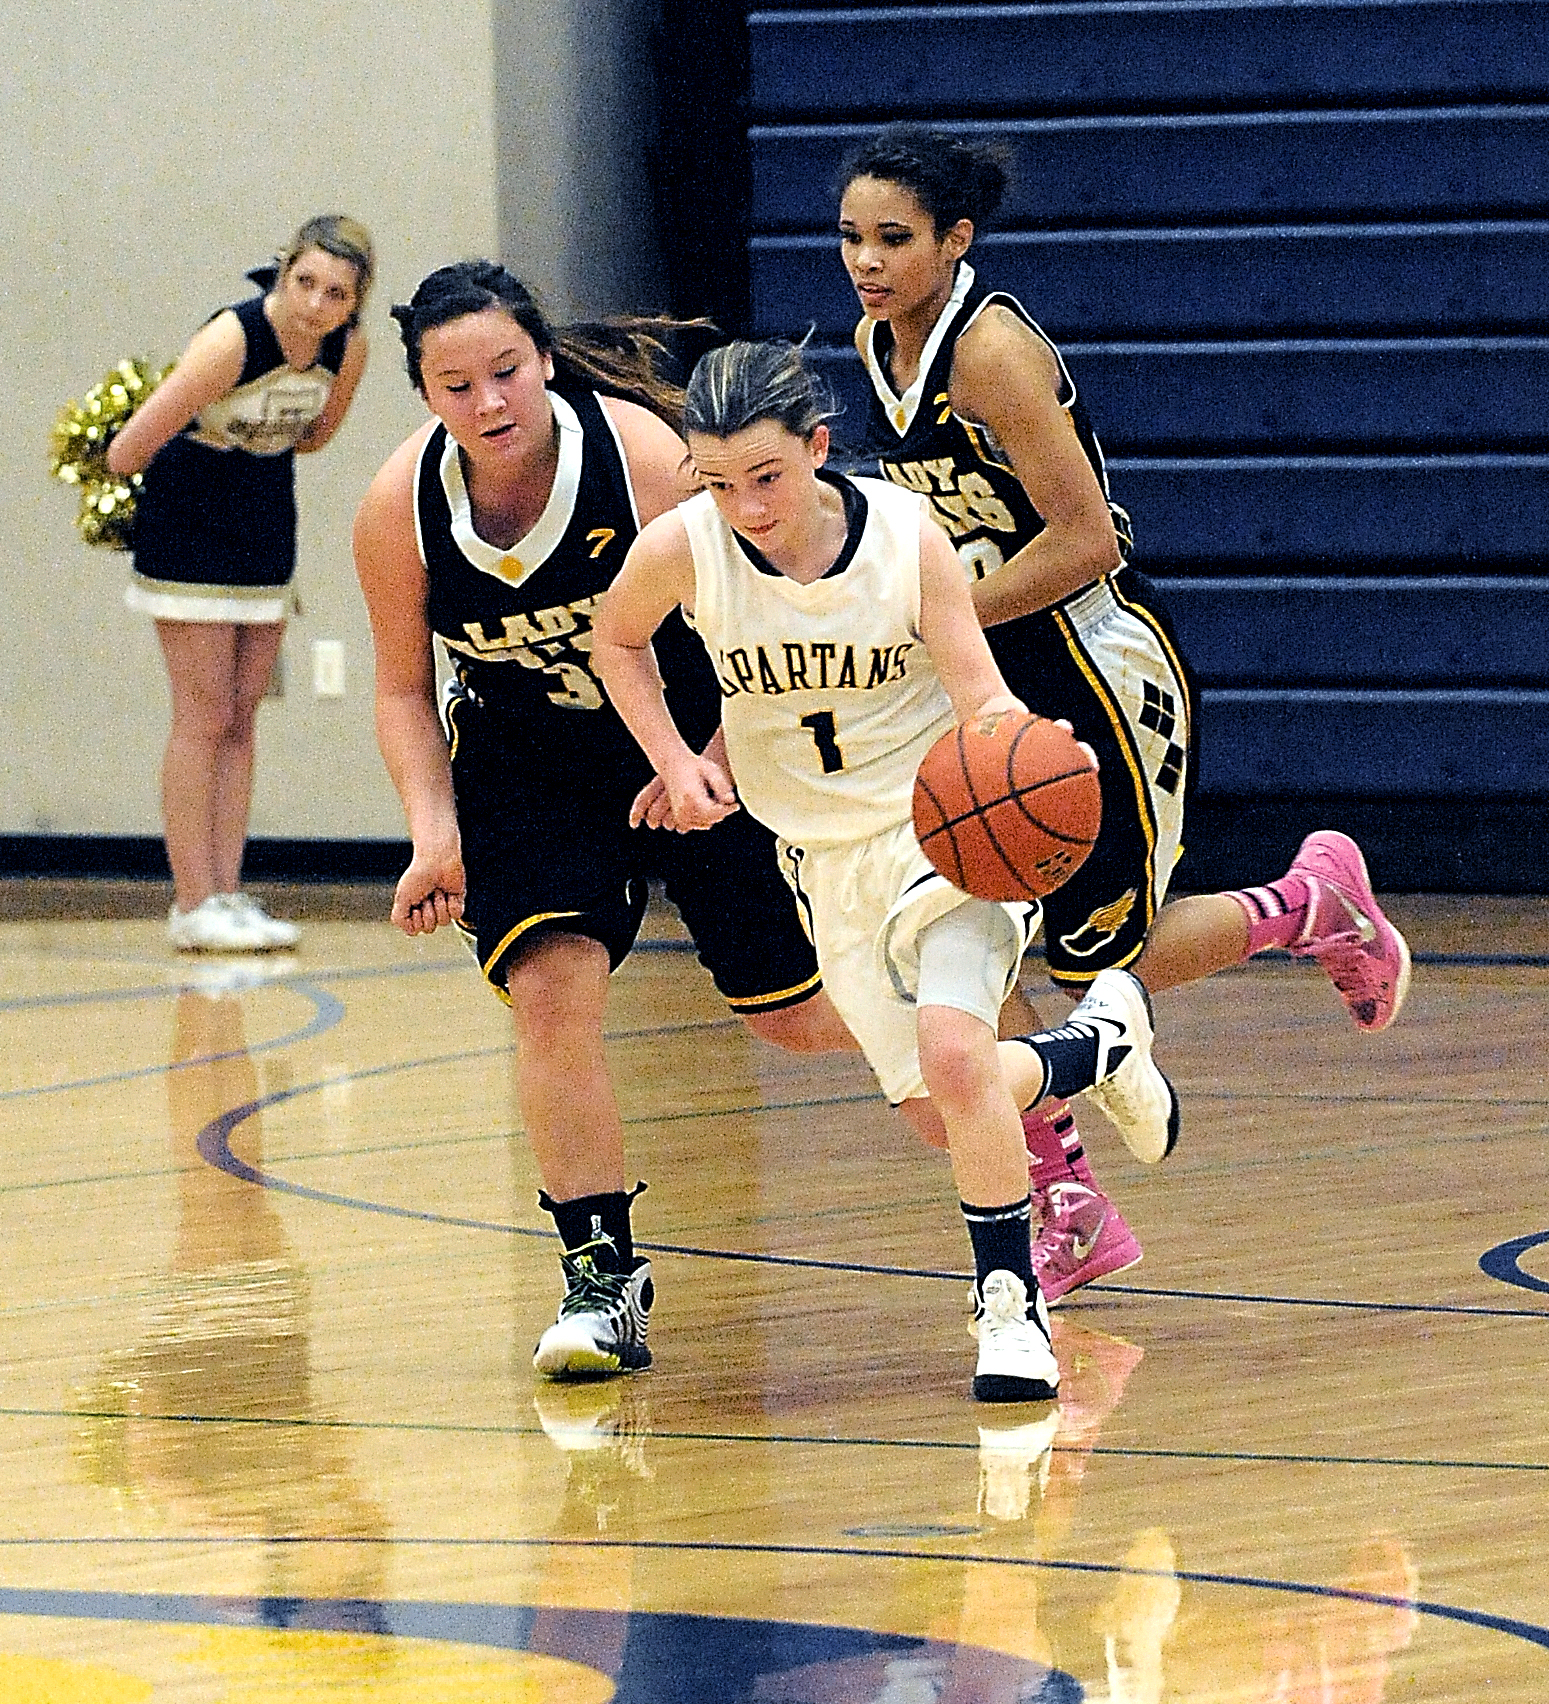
741, 383
951, 178
625, 357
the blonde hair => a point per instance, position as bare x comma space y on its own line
344, 238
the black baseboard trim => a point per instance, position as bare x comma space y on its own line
1465, 845
1425, 845
134, 857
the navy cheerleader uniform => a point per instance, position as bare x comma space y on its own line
215, 525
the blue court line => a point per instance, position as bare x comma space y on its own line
327, 1011
176, 1609
1501, 1262
214, 1146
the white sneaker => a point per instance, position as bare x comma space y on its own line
213, 927
275, 930
1016, 1355
1131, 1091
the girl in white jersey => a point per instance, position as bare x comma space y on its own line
839, 622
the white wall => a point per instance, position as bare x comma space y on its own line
152, 153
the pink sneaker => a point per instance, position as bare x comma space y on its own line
1082, 1237
1365, 956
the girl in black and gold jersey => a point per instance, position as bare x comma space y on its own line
974, 408
495, 529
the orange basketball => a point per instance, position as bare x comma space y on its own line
1007, 806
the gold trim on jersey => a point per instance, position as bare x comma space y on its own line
515, 562
903, 406
781, 996
1121, 730
454, 733
521, 929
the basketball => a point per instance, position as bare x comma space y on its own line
1007, 806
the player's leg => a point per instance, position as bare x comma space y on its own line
1103, 1050
552, 905
201, 671
1079, 1233
966, 959
1116, 680
558, 987
1323, 908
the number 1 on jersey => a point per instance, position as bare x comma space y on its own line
820, 724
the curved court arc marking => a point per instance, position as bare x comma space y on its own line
114, 1606
327, 1011
1501, 1262
214, 1146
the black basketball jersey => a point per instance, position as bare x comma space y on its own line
517, 623
922, 444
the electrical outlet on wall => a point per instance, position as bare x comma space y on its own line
328, 668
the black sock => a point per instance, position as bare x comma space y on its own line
1069, 1056
597, 1223
1002, 1240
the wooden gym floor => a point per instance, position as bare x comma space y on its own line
271, 1269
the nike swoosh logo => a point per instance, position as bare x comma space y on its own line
1081, 1246
1364, 926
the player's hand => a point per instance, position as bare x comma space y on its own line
652, 807
1060, 722
998, 706
430, 892
699, 795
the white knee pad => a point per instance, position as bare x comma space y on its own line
969, 959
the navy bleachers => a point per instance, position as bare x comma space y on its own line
1297, 255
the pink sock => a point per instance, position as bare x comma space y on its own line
1276, 914
1053, 1145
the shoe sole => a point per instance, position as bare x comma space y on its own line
575, 1358
1083, 1278
590, 1364
1002, 1387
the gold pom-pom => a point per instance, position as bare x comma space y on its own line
78, 452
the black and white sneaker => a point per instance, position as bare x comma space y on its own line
1133, 1094
602, 1322
1016, 1354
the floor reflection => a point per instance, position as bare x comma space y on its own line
207, 1420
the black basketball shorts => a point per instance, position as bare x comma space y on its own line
547, 846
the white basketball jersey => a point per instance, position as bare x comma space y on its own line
829, 698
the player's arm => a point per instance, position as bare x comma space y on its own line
657, 577
950, 629
1006, 376
341, 393
207, 369
657, 457
396, 588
